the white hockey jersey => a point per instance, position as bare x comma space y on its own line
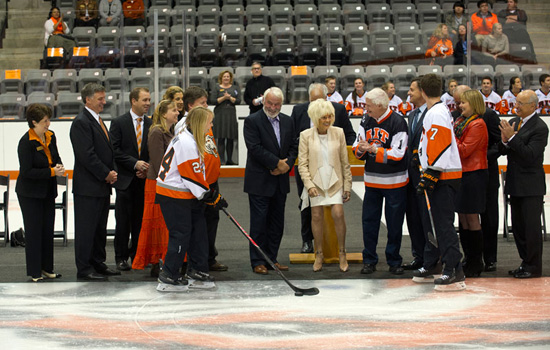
492, 100
438, 149
356, 108
335, 97
182, 173
448, 101
508, 103
544, 102
395, 103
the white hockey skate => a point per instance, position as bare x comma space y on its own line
199, 280
423, 275
450, 283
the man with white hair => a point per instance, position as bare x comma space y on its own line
382, 143
272, 150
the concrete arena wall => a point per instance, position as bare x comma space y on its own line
11, 132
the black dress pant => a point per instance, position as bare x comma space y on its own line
414, 217
305, 215
90, 233
526, 225
212, 217
489, 218
128, 215
38, 219
267, 221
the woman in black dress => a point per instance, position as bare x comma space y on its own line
227, 95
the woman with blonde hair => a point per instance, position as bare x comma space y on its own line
153, 237
440, 46
182, 192
472, 139
175, 93
225, 96
324, 167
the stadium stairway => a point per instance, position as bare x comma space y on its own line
538, 26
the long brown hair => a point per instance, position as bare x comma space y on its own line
159, 121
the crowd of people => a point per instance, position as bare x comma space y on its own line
439, 160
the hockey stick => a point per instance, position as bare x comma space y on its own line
297, 291
432, 237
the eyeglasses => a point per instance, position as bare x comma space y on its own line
519, 103
256, 68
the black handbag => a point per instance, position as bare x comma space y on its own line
18, 238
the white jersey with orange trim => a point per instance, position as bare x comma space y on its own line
544, 102
335, 97
387, 168
406, 106
448, 101
438, 149
182, 173
492, 100
356, 108
508, 103
395, 102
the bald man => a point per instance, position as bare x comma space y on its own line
523, 140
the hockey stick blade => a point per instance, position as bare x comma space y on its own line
297, 291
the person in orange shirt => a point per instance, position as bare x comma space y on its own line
134, 13
483, 21
440, 47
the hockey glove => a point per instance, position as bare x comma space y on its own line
428, 180
415, 160
214, 199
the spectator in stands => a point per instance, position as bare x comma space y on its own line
508, 102
57, 32
544, 94
395, 101
440, 47
514, 24
472, 139
175, 93
109, 11
490, 97
482, 21
153, 237
355, 102
447, 98
456, 18
134, 13
461, 46
255, 88
36, 187
495, 47
333, 95
324, 168
86, 14
225, 96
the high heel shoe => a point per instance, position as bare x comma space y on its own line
344, 266
318, 264
50, 275
37, 279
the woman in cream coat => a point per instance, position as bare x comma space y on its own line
324, 167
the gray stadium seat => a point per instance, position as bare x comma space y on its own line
208, 14
298, 86
242, 75
403, 12
233, 44
37, 80
164, 14
208, 43
85, 36
321, 72
12, 84
330, 13
428, 12
169, 77
110, 110
198, 76
503, 73
116, 79
427, 69
480, 71
64, 80
353, 13
530, 75
142, 77
456, 72
69, 104
307, 44
190, 15
257, 14
257, 42
281, 14
402, 75
407, 33
279, 76
376, 76
305, 14
89, 75
378, 13
381, 33
12, 105
283, 38
233, 14
334, 32
108, 37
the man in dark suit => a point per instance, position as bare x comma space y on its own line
489, 218
129, 137
523, 142
94, 173
255, 87
303, 122
413, 210
272, 150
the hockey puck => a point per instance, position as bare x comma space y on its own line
299, 294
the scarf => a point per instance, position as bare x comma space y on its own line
57, 26
462, 123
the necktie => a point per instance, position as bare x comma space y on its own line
103, 127
519, 125
276, 129
138, 134
414, 121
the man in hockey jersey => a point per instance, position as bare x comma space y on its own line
382, 143
447, 98
544, 94
333, 95
490, 97
442, 171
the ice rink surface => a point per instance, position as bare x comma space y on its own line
492, 313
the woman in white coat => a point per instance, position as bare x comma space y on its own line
324, 167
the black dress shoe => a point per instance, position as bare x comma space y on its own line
368, 269
307, 247
413, 265
109, 272
396, 270
515, 271
526, 274
93, 276
491, 267
123, 265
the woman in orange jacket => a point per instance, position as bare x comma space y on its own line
440, 47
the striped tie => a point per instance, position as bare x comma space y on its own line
138, 134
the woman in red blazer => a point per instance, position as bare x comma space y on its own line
472, 139
36, 187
